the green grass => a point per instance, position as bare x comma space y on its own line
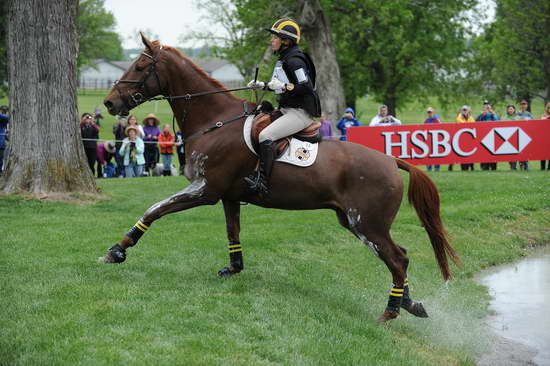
310, 293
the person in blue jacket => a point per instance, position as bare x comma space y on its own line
4, 120
348, 120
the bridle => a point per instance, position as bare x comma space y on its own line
138, 97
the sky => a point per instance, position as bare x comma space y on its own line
169, 19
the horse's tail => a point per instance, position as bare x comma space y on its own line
424, 197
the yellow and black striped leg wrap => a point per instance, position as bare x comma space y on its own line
236, 255
396, 296
137, 231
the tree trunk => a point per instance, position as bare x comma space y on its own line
316, 26
46, 151
390, 99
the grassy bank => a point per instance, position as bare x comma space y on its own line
310, 293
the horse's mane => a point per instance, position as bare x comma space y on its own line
197, 69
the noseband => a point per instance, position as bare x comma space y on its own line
138, 97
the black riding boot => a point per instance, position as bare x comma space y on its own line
257, 182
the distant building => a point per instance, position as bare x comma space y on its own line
102, 73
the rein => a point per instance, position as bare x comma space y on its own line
219, 124
190, 96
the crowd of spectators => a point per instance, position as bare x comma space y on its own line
135, 149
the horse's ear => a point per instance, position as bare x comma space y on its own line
146, 42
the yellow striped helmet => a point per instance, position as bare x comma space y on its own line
286, 28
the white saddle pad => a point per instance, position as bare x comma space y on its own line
299, 153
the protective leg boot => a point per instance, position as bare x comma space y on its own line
258, 181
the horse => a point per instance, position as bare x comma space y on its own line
363, 186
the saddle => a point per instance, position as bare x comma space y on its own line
309, 134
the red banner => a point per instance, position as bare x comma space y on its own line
462, 143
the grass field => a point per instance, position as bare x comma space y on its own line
310, 293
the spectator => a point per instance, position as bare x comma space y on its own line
524, 115
546, 116
434, 118
326, 127
180, 150
383, 118
487, 114
105, 151
90, 133
465, 116
132, 121
166, 143
119, 130
4, 121
132, 150
511, 115
152, 132
348, 120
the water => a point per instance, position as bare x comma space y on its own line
521, 293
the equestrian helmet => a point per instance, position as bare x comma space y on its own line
286, 28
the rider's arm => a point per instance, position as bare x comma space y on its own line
297, 72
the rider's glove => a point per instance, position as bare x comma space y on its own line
256, 84
276, 84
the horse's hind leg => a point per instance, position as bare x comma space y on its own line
375, 234
232, 211
414, 307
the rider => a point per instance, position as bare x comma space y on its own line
293, 81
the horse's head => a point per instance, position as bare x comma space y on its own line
143, 80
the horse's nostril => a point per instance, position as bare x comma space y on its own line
108, 104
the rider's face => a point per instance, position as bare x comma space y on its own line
275, 43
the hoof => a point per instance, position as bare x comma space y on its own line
388, 315
416, 309
227, 272
116, 254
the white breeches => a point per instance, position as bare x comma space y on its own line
293, 120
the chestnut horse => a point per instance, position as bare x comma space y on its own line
361, 185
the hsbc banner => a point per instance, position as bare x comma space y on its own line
450, 143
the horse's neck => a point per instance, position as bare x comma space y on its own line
203, 111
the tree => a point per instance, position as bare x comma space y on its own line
246, 43
3, 50
400, 49
46, 152
316, 27
515, 50
96, 35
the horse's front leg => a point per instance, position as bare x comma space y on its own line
232, 210
194, 195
